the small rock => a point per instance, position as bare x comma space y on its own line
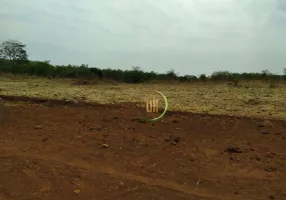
138, 120
174, 143
271, 197
131, 128
105, 135
45, 139
38, 127
236, 192
265, 132
106, 120
76, 191
177, 139
233, 150
168, 139
175, 121
97, 129
104, 145
271, 169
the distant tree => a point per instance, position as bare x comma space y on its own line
203, 77
284, 71
171, 74
84, 65
96, 72
136, 68
14, 51
221, 75
266, 75
187, 78
266, 72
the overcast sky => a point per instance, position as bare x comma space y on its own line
190, 36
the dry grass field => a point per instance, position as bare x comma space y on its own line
251, 99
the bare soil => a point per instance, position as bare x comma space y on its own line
57, 151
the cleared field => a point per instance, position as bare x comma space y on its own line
253, 100
66, 152
69, 151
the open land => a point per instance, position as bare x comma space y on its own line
226, 143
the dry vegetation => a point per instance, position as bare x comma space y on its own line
255, 100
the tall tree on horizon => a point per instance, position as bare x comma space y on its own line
13, 51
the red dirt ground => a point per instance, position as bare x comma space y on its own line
83, 152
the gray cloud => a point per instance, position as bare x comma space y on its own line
190, 36
281, 4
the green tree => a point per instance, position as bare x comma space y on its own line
221, 75
266, 75
284, 71
265, 71
14, 51
171, 74
203, 77
136, 68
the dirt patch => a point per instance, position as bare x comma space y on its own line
2, 110
57, 102
101, 152
82, 103
81, 82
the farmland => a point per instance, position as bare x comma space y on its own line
217, 141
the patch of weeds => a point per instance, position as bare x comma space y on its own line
252, 102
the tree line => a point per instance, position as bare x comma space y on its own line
14, 59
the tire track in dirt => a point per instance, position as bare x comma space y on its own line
104, 169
